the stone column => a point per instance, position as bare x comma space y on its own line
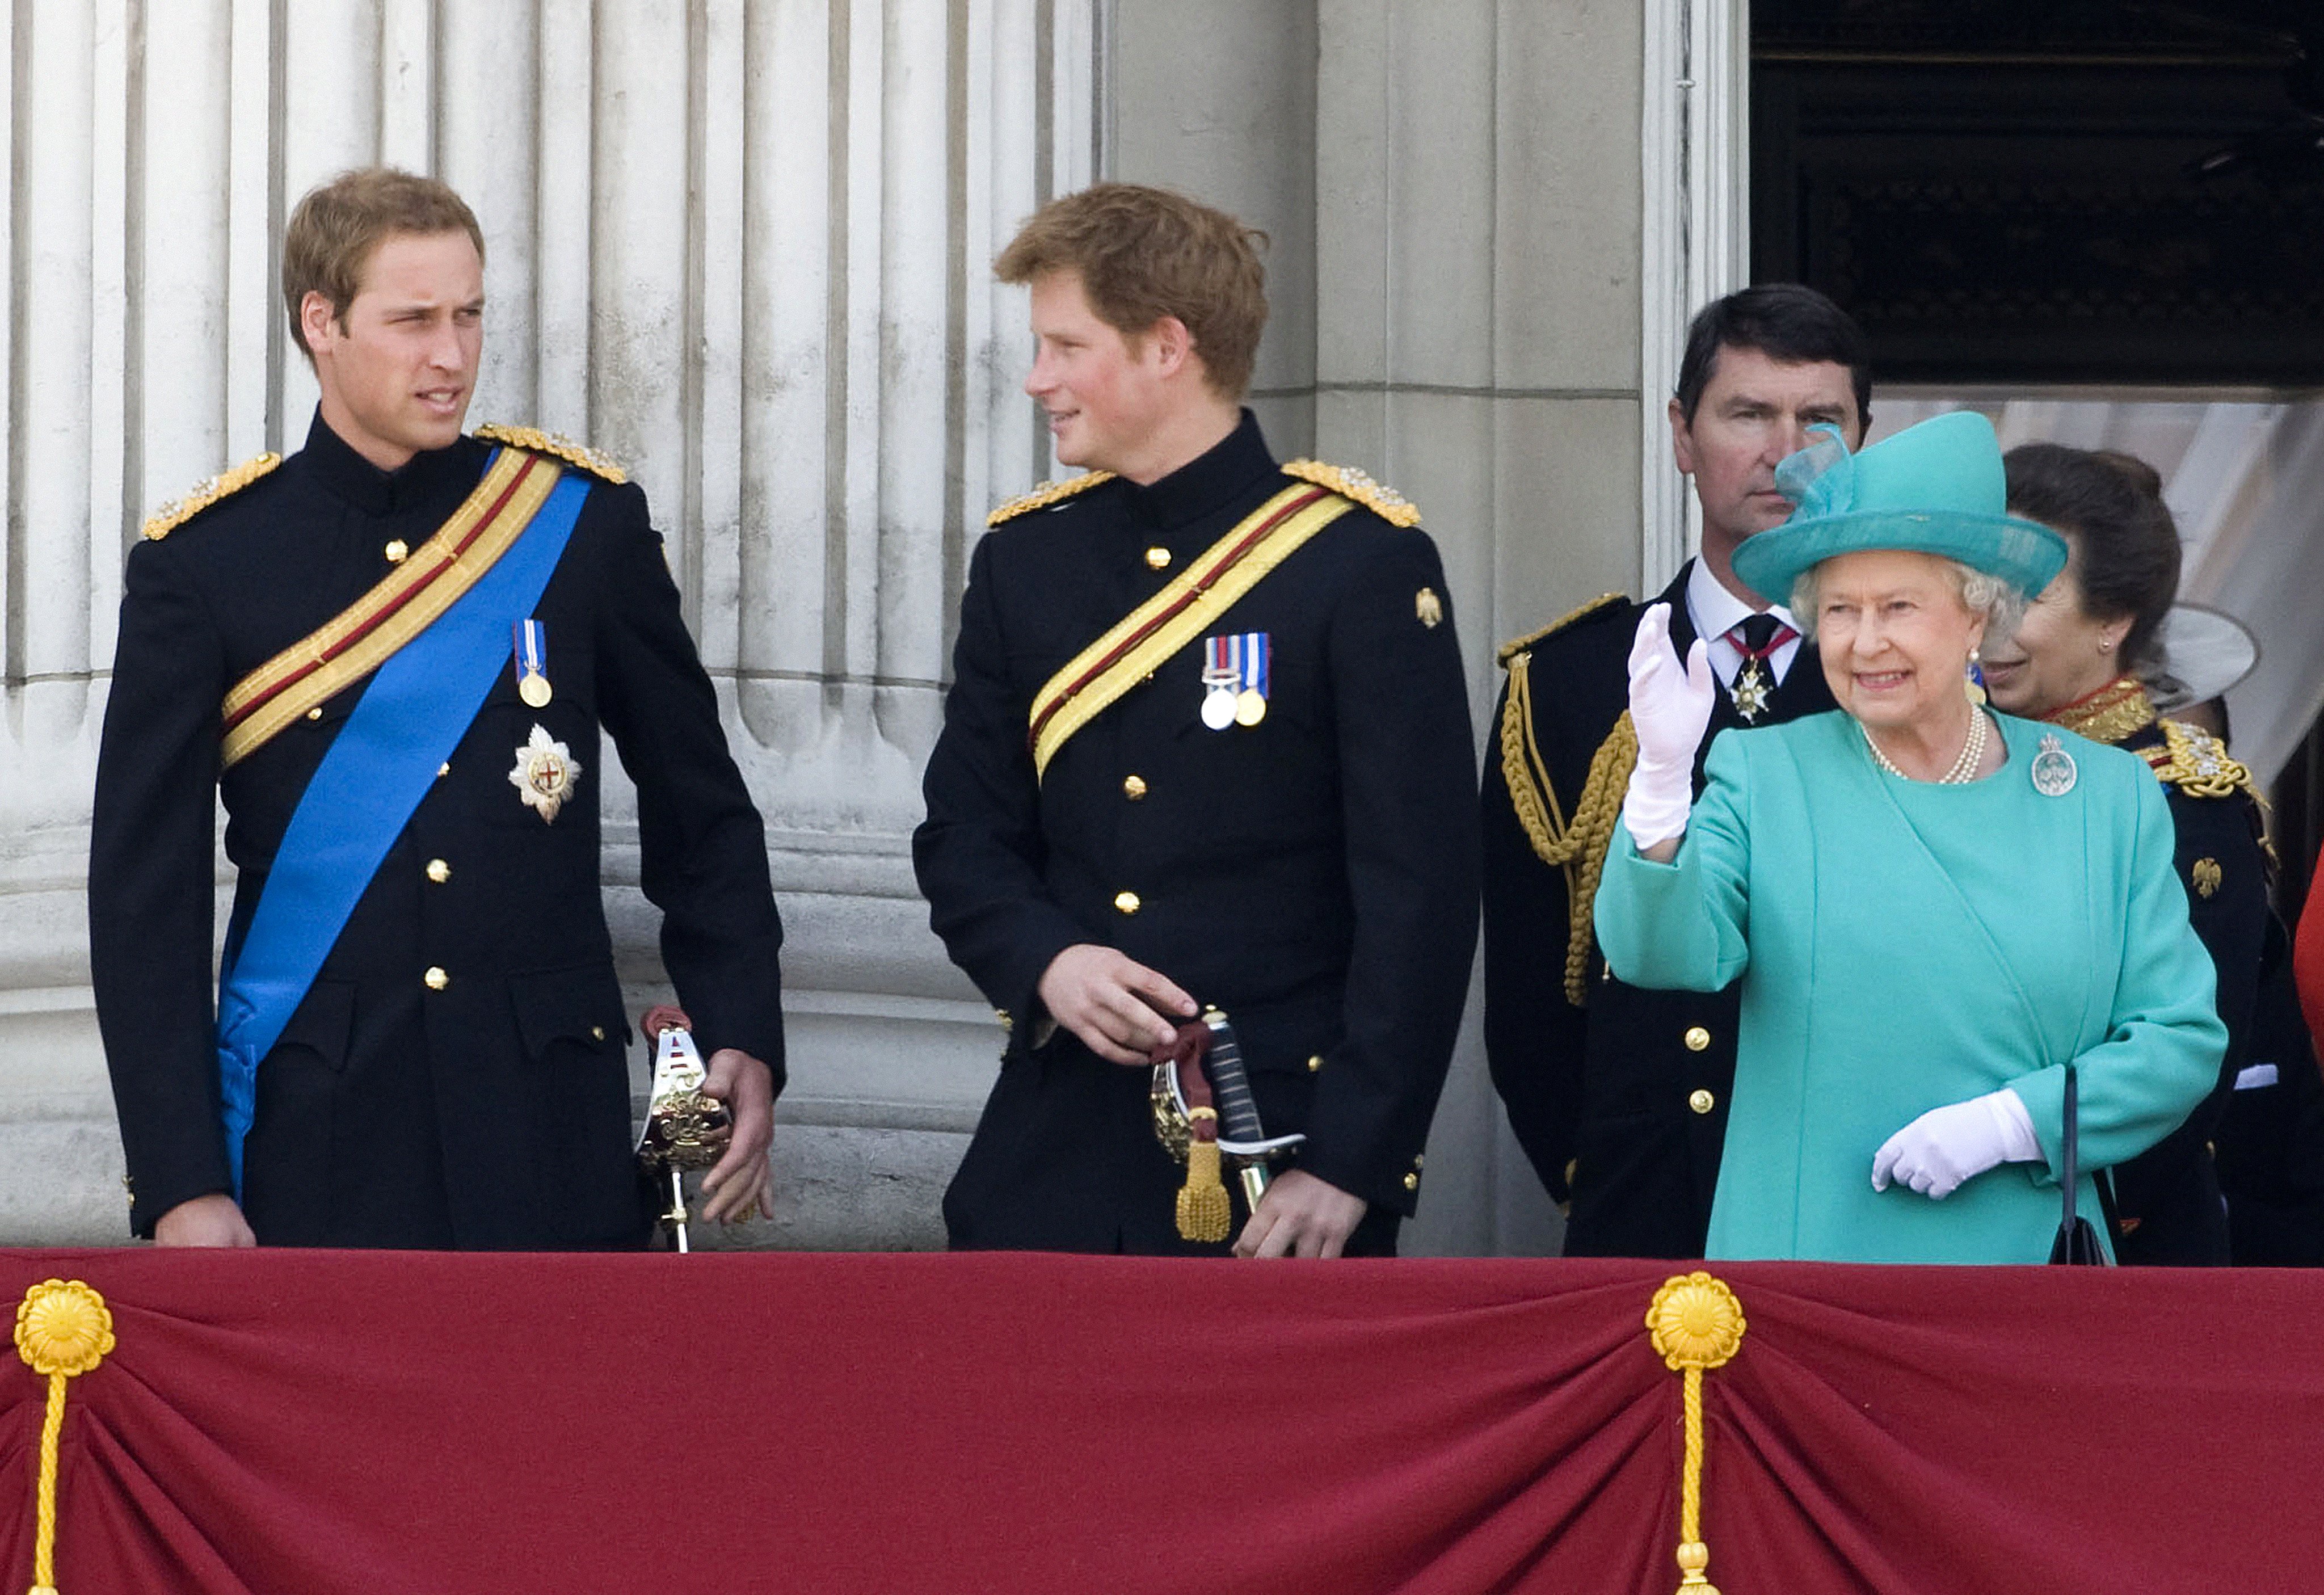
1455, 189
741, 245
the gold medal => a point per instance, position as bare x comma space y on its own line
1250, 706
533, 687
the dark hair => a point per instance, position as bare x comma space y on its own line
1143, 253
2111, 506
1786, 321
333, 229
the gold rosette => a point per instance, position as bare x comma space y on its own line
1695, 1323
63, 1330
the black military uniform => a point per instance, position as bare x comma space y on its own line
1618, 1094
456, 1075
2166, 1200
1314, 875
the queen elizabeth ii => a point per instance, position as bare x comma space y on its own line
1934, 911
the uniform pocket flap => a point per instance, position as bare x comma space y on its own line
323, 1022
581, 1004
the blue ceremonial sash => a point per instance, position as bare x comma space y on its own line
419, 705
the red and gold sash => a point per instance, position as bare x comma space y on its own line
1132, 649
363, 636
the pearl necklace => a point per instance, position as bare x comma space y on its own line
1964, 768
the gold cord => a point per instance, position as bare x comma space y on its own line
1695, 1323
63, 1329
1578, 848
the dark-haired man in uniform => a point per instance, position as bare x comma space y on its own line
1208, 744
392, 654
1618, 1095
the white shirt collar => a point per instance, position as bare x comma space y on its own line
1715, 612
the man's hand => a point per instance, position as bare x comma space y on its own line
742, 1181
1120, 1009
205, 1220
1300, 1216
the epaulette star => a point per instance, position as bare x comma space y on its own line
1349, 483
1510, 649
1046, 494
225, 485
556, 447
2196, 763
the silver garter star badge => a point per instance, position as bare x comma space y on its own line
544, 773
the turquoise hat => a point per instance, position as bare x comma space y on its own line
1935, 488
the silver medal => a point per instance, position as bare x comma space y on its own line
1219, 708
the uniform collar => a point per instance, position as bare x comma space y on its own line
424, 479
1208, 482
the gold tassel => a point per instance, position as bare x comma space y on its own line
1203, 1214
63, 1330
1696, 1324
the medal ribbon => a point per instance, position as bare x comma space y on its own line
1213, 583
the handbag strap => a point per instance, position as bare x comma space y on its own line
2070, 1141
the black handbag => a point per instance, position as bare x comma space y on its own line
2078, 1240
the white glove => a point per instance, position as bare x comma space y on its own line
1670, 707
1947, 1145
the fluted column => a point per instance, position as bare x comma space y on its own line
742, 246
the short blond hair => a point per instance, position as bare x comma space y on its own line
1143, 253
336, 227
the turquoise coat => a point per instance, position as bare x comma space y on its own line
1904, 945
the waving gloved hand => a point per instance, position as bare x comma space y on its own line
1670, 708
1946, 1146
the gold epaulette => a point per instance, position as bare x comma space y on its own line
1349, 483
557, 446
1046, 494
170, 516
1577, 846
2197, 762
1510, 649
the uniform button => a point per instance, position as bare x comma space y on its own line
442, 770
1412, 1182
1701, 1100
1420, 1160
316, 713
1126, 903
438, 871
397, 552
1314, 1063
1158, 559
1008, 1020
596, 1032
435, 980
1697, 1038
1133, 786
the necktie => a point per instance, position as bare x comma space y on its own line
1755, 638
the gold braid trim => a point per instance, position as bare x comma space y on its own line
1046, 494
2110, 714
1577, 846
1510, 649
1349, 483
557, 446
2197, 762
225, 485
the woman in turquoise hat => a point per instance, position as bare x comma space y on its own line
1933, 910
